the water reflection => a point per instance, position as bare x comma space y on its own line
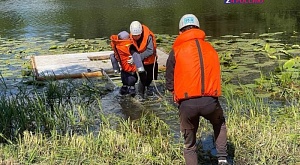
99, 18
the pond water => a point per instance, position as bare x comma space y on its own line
35, 25
99, 18
42, 23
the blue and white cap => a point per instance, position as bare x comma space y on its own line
123, 35
188, 19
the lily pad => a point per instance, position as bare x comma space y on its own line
295, 46
293, 52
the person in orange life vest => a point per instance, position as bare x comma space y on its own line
145, 47
193, 75
121, 45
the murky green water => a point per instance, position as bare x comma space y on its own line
100, 18
35, 25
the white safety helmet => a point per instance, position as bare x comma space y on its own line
188, 19
136, 28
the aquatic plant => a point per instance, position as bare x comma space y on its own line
257, 133
62, 122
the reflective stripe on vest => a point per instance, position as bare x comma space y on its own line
202, 67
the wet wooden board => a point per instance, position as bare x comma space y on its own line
63, 66
161, 59
77, 65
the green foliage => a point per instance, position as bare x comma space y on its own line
270, 51
110, 146
57, 124
257, 134
292, 64
61, 106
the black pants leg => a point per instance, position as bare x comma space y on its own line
147, 77
128, 79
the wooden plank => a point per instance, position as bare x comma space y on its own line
161, 59
97, 58
78, 65
75, 65
35, 72
77, 75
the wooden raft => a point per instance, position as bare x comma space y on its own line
78, 65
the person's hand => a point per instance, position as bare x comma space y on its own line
130, 61
116, 71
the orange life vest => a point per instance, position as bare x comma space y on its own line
143, 46
197, 70
122, 52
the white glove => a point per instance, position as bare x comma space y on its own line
130, 61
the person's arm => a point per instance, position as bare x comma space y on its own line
149, 50
170, 65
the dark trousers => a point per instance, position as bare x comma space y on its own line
190, 112
128, 79
147, 77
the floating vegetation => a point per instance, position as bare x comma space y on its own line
241, 56
70, 113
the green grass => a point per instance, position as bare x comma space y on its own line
62, 122
260, 134
127, 144
77, 132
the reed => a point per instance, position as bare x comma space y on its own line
259, 133
64, 124
68, 126
147, 140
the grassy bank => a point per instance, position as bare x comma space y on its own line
71, 128
130, 143
260, 133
